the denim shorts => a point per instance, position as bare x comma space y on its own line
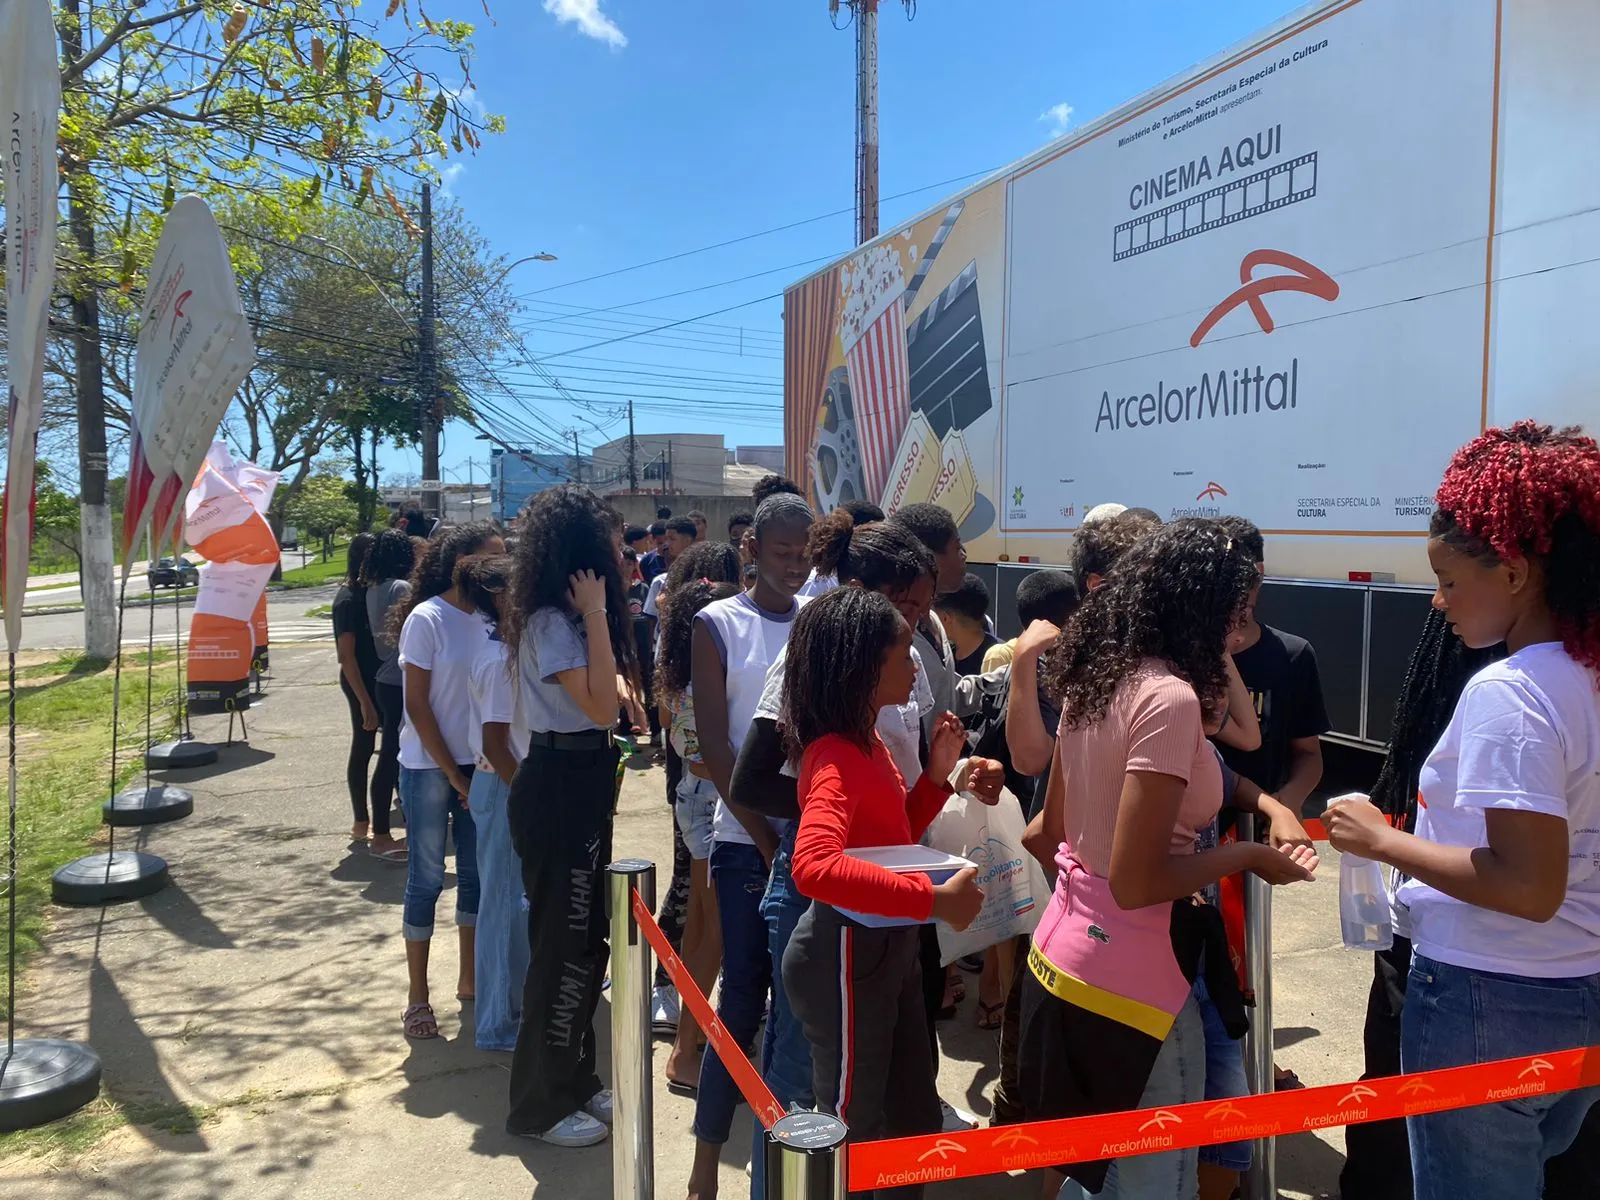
693, 808
1225, 1080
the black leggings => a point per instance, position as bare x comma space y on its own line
391, 707
362, 742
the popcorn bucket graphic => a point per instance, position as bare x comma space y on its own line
873, 332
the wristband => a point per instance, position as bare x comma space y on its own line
590, 612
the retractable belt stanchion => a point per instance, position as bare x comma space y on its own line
632, 1129
1262, 1181
805, 1157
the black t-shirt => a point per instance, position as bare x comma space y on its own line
1280, 672
350, 616
638, 593
972, 664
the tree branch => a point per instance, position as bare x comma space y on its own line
128, 24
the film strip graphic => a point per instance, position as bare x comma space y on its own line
1237, 200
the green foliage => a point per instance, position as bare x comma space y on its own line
320, 508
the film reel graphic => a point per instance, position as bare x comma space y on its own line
836, 469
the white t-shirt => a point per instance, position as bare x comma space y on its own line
899, 725
748, 640
494, 698
443, 640
1525, 737
817, 585
652, 598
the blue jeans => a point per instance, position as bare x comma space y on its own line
785, 1053
1178, 1077
433, 809
739, 875
1225, 1077
502, 949
1455, 1016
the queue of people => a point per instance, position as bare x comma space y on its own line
819, 686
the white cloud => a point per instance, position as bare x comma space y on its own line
586, 15
1060, 118
448, 177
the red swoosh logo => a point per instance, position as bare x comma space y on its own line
177, 311
1313, 281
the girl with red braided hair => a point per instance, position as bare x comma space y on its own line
1501, 897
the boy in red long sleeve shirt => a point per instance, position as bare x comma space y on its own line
856, 989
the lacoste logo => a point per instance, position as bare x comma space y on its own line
942, 1149
1098, 934
1213, 491
1536, 1068
1161, 1120
1313, 281
1014, 1137
1226, 1109
1357, 1094
1417, 1088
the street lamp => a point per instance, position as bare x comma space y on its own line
542, 256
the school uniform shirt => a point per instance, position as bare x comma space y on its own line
643, 642
444, 641
748, 640
492, 687
899, 725
853, 797
817, 585
1280, 673
652, 564
553, 642
1525, 737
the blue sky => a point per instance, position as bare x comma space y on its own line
644, 128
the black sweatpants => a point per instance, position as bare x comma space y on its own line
390, 699
858, 995
560, 815
1378, 1154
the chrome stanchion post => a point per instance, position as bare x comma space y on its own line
805, 1158
632, 1129
1262, 1181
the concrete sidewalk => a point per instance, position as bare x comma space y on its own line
263, 988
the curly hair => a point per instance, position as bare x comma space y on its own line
773, 485
1174, 595
481, 579
355, 560
674, 661
567, 529
835, 656
715, 562
1533, 492
881, 557
932, 524
435, 572
392, 556
1098, 544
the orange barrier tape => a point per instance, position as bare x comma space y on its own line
901, 1161
756, 1093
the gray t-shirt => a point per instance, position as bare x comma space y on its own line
381, 598
553, 642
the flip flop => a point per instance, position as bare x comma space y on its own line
1288, 1082
689, 1091
989, 1014
397, 855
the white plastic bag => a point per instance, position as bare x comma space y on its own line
1014, 888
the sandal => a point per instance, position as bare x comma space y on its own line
989, 1014
1287, 1082
419, 1022
396, 853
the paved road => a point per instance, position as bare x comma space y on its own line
44, 596
286, 621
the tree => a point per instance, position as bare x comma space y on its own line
55, 520
321, 509
284, 99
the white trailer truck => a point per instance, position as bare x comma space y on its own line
1287, 284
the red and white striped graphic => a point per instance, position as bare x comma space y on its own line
880, 393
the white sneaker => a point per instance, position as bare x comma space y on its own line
599, 1106
956, 1120
579, 1129
664, 1009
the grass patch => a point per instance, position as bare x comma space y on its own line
314, 574
322, 610
63, 765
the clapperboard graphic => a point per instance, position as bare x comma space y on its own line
1265, 191
949, 369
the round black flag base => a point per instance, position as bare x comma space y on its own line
153, 805
107, 878
181, 755
43, 1080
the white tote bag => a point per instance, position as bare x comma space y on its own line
1014, 888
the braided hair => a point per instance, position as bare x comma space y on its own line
1173, 595
830, 676
1440, 667
1533, 492
435, 572
715, 562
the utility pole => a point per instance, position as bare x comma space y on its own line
866, 120
633, 453
577, 459
427, 368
